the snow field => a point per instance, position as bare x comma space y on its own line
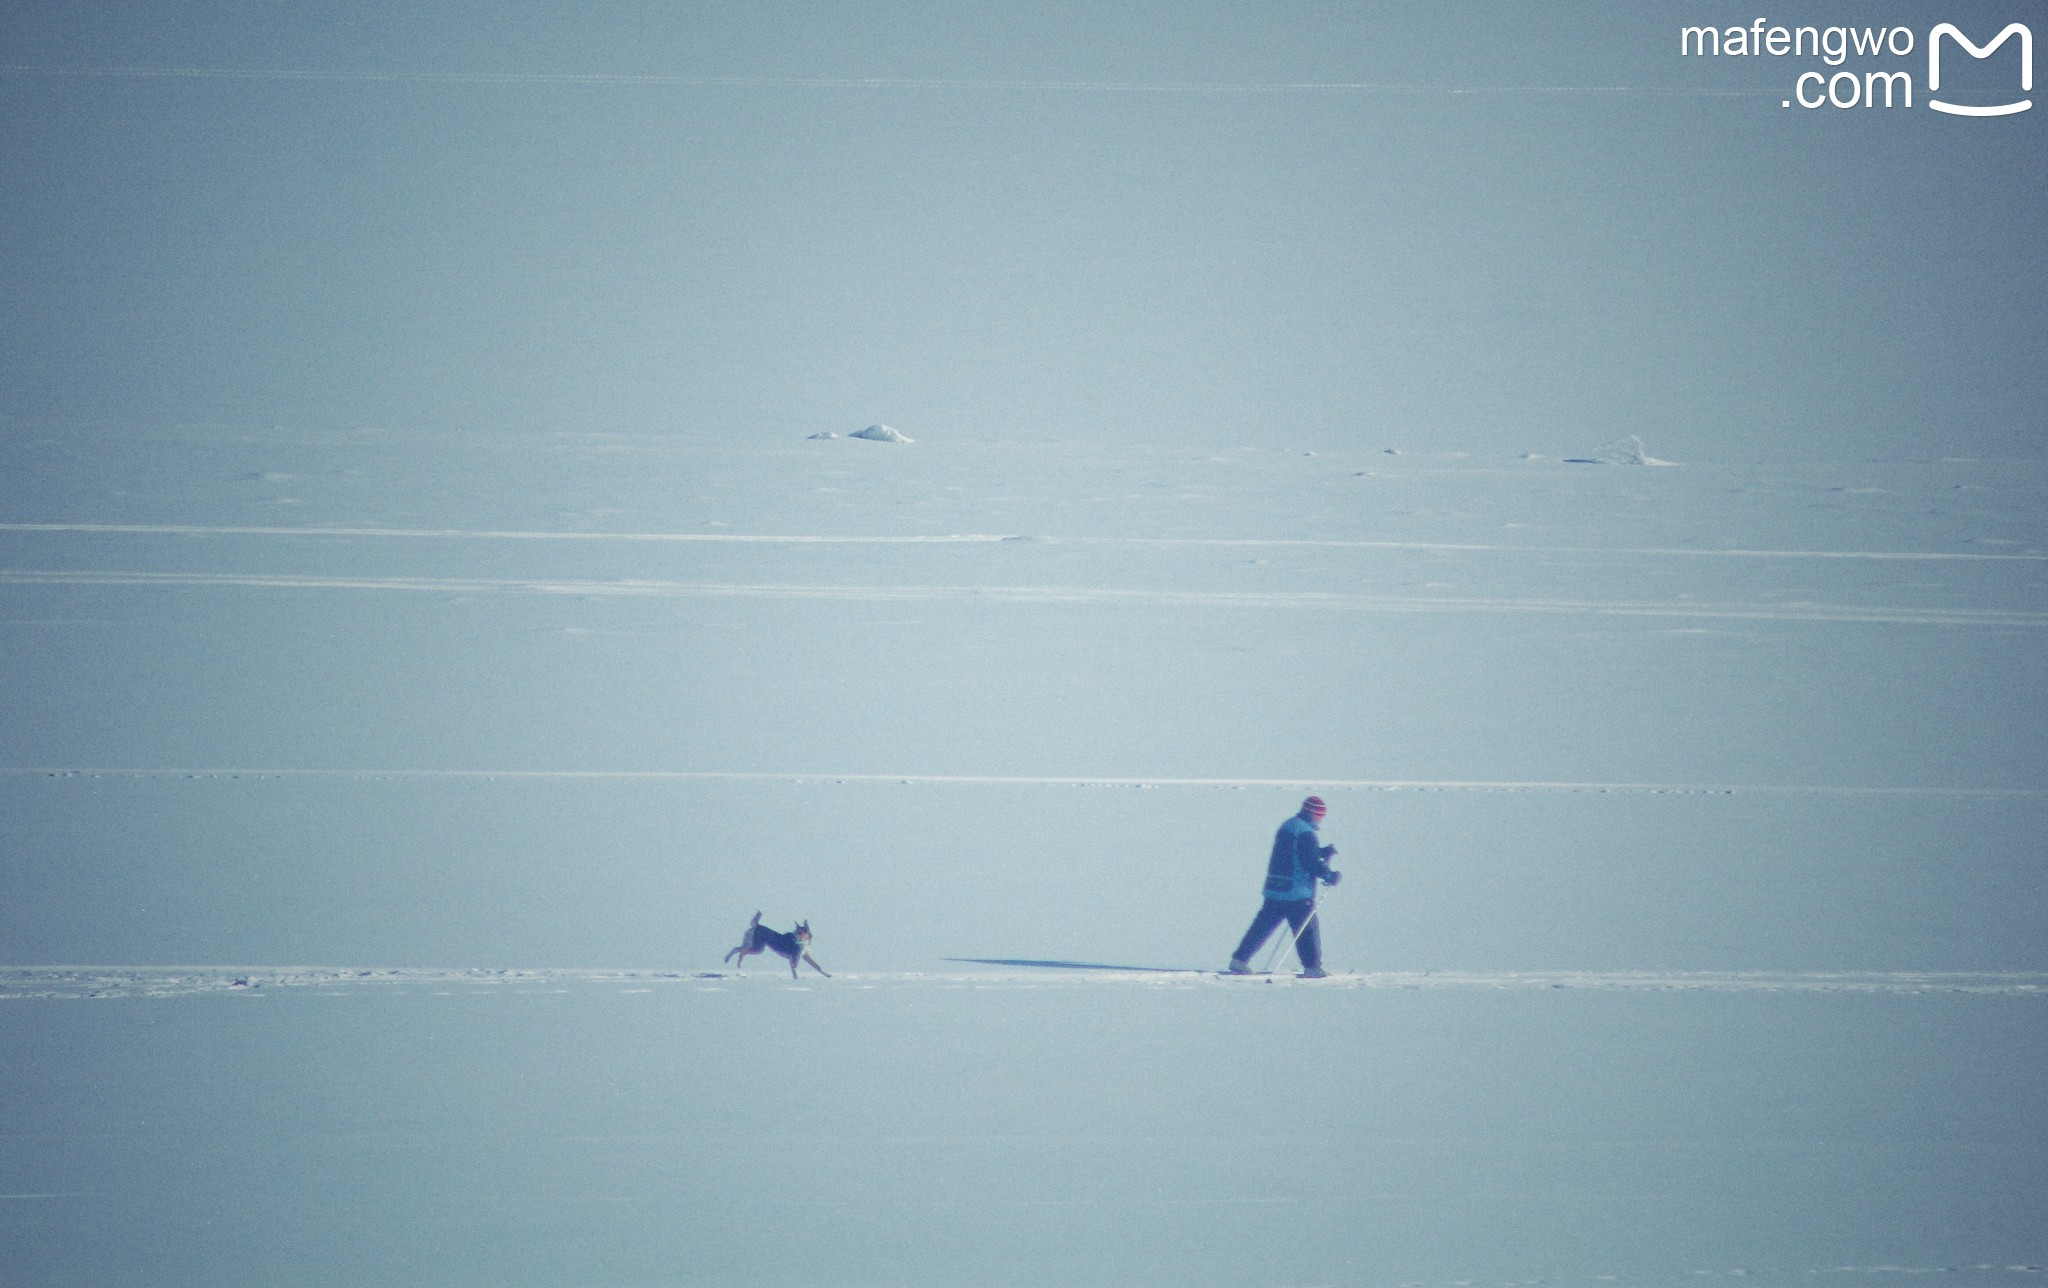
1690, 820
933, 1130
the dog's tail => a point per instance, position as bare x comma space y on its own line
755, 922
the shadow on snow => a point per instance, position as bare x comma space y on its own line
1060, 965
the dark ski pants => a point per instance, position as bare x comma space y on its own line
1308, 947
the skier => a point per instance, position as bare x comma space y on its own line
1291, 876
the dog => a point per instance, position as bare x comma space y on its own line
794, 946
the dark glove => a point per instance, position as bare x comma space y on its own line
1334, 877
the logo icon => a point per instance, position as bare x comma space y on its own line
1980, 51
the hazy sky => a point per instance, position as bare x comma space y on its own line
1114, 220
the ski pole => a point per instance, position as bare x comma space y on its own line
1280, 946
1279, 949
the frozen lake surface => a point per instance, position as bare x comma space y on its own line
1691, 819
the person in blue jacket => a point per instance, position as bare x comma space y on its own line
1291, 876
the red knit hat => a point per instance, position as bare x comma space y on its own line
1314, 807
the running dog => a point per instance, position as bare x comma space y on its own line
794, 946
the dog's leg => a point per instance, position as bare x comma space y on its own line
748, 947
814, 966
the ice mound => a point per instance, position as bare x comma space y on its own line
1626, 450
883, 434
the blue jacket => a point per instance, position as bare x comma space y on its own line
1297, 862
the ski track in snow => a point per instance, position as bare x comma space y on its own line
873, 84
1080, 595
489, 534
802, 777
74, 982
774, 539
